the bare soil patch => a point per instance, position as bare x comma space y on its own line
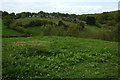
29, 43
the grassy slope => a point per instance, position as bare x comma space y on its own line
35, 31
88, 32
66, 57
91, 32
9, 32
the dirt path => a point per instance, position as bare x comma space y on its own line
29, 43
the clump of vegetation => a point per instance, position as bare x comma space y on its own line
73, 30
60, 23
82, 24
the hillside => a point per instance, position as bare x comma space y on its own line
59, 57
6, 32
52, 29
58, 45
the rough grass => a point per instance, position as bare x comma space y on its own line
10, 32
61, 57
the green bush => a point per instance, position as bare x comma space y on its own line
73, 31
82, 24
111, 23
98, 25
49, 30
60, 23
7, 20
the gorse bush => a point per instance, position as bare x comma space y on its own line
34, 23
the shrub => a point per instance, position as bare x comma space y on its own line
20, 29
34, 23
73, 31
111, 23
115, 33
60, 23
7, 20
82, 25
98, 25
49, 30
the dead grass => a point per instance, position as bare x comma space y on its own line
29, 43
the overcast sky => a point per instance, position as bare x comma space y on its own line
63, 6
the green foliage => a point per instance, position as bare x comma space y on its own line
7, 20
4, 13
23, 15
60, 23
61, 57
115, 33
90, 20
73, 30
34, 23
111, 23
117, 16
98, 25
8, 32
49, 30
82, 24
18, 26
72, 25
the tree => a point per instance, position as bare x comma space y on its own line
82, 24
105, 15
41, 14
102, 18
33, 14
7, 20
23, 15
18, 15
117, 17
60, 23
5, 13
12, 14
111, 23
90, 20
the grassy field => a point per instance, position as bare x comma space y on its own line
59, 57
